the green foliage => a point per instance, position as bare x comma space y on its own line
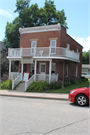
55, 85
85, 57
72, 81
21, 5
30, 16
71, 87
6, 85
66, 83
79, 80
12, 36
5, 64
40, 86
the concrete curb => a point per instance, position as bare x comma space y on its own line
34, 95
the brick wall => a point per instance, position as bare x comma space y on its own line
62, 40
43, 39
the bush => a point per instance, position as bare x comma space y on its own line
72, 81
66, 84
43, 86
7, 84
40, 86
55, 85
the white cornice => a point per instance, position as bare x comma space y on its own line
56, 27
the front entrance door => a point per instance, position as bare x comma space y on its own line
42, 70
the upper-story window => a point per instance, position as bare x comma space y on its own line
53, 46
33, 46
77, 49
68, 46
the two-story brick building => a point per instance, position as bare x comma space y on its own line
48, 52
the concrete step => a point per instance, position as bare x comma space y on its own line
21, 87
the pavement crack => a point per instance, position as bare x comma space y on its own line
29, 133
65, 126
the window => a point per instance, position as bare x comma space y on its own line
53, 68
76, 70
77, 50
53, 46
33, 46
68, 46
66, 70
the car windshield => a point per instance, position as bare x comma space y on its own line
85, 74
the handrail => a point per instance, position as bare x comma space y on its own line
16, 81
29, 82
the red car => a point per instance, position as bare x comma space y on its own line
80, 96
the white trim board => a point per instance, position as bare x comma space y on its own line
36, 29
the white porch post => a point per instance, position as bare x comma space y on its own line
9, 69
50, 70
22, 70
35, 70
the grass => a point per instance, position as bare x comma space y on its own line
71, 87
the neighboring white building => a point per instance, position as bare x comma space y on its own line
86, 68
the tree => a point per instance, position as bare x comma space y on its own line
5, 64
85, 57
50, 12
31, 16
21, 5
12, 36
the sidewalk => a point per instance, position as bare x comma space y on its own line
34, 95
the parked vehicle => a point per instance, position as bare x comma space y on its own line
80, 96
85, 74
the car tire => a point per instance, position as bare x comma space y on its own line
82, 100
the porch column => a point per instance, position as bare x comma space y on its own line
9, 69
63, 71
69, 72
22, 70
35, 70
50, 70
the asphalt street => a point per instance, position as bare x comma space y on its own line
30, 116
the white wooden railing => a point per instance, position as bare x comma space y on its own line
14, 75
44, 52
16, 81
45, 77
42, 77
30, 81
54, 77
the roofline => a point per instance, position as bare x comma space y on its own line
56, 27
74, 40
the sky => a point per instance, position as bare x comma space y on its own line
76, 11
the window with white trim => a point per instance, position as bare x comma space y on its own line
33, 46
53, 46
53, 68
68, 46
77, 49
66, 70
76, 70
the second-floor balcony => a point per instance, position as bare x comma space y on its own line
44, 52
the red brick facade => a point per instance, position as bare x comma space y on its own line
62, 38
